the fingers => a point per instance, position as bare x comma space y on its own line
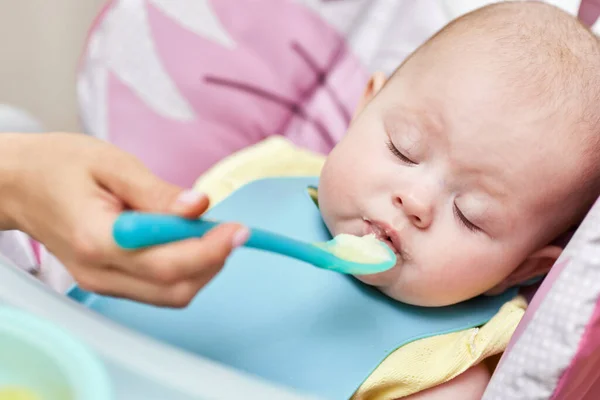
168, 263
171, 263
168, 275
190, 204
130, 181
85, 185
112, 282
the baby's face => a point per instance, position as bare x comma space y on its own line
456, 176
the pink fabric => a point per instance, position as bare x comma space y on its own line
290, 73
535, 303
589, 10
594, 392
35, 246
581, 380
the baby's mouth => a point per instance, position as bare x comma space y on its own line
384, 233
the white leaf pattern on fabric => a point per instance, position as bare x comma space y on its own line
130, 55
382, 33
342, 15
198, 17
91, 89
596, 27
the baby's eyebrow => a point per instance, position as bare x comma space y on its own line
488, 180
493, 188
416, 122
431, 121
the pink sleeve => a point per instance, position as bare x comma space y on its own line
17, 247
34, 258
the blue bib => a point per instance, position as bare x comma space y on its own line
314, 330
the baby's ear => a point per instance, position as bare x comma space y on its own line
536, 265
376, 82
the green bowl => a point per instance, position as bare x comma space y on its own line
45, 360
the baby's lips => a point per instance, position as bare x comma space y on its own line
383, 232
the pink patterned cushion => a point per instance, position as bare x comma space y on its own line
182, 97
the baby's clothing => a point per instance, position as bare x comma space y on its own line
414, 367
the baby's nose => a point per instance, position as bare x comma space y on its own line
417, 208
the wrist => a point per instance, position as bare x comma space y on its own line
13, 167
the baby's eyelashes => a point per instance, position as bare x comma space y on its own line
401, 156
464, 220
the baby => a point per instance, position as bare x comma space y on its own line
471, 162
478, 153
473, 159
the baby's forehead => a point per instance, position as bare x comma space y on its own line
520, 152
534, 49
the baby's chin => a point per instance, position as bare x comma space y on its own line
384, 281
389, 283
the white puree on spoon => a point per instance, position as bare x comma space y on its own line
366, 249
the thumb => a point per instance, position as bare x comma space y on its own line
139, 189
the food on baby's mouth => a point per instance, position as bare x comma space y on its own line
366, 249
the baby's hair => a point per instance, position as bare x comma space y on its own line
554, 61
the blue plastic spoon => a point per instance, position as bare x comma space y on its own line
135, 230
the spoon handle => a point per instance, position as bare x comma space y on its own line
135, 230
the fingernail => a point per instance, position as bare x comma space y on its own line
190, 197
240, 237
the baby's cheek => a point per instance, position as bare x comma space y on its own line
468, 275
407, 285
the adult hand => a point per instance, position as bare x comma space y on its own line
66, 190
